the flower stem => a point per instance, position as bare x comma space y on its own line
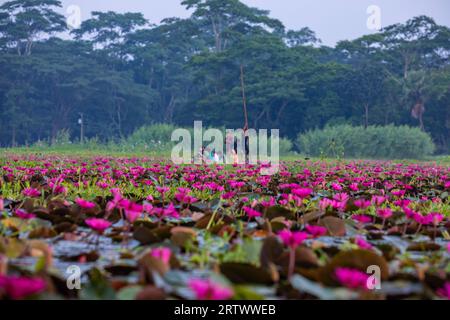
291, 262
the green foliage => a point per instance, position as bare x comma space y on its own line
62, 138
122, 73
285, 146
387, 142
152, 137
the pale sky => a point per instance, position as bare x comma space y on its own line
332, 20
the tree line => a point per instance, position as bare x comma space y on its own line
122, 72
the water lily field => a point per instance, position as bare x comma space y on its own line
102, 227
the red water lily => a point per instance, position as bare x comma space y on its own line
444, 292
292, 239
209, 290
84, 204
316, 231
22, 214
363, 244
17, 287
31, 192
251, 213
163, 254
97, 224
352, 278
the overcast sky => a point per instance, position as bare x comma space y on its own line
332, 20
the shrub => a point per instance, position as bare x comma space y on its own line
62, 138
284, 147
378, 142
152, 137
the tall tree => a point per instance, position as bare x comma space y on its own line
227, 20
25, 21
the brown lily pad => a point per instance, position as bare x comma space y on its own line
181, 236
335, 226
241, 273
355, 259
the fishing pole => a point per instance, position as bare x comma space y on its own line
244, 99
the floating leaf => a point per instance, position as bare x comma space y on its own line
181, 236
315, 289
242, 273
335, 226
355, 259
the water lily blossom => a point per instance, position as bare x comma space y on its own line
99, 225
362, 203
362, 218
363, 244
316, 231
31, 192
444, 292
208, 290
351, 278
251, 213
292, 239
302, 192
17, 287
84, 204
22, 214
163, 254
384, 213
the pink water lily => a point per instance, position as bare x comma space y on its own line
228, 195
302, 192
292, 239
209, 290
384, 213
353, 186
22, 214
316, 231
342, 197
351, 278
362, 203
325, 203
362, 218
116, 201
18, 288
163, 254
169, 212
251, 213
268, 203
84, 204
132, 210
378, 200
31, 192
363, 244
444, 292
97, 224
436, 218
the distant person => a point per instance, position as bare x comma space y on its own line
216, 157
231, 146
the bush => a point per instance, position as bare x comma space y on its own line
152, 137
378, 142
62, 138
284, 147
